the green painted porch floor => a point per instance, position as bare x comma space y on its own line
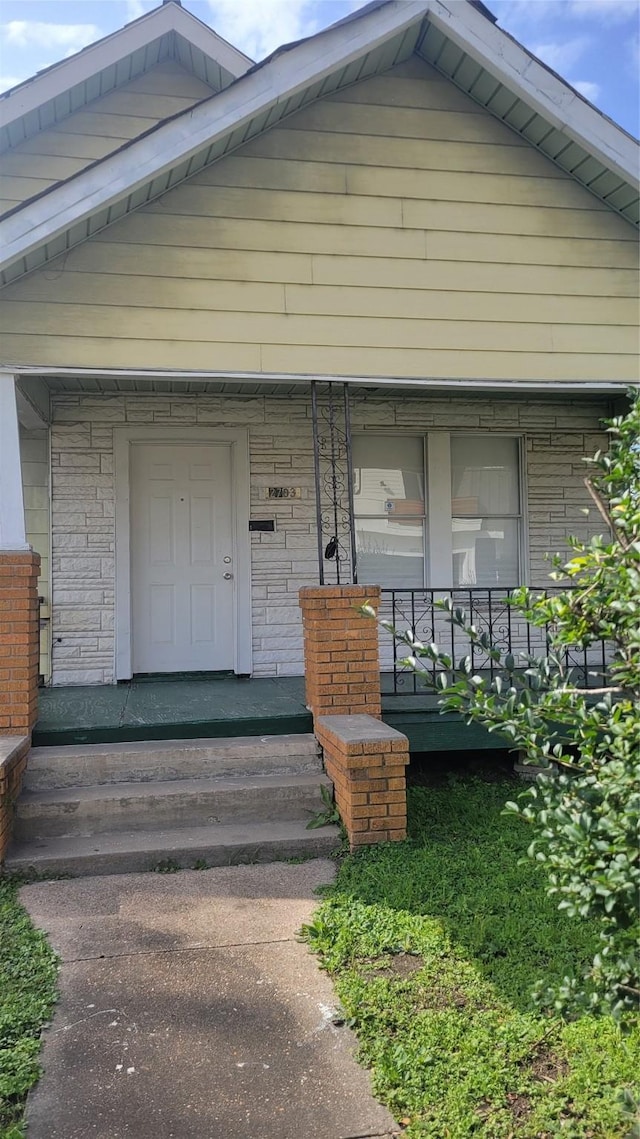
184, 708
219, 706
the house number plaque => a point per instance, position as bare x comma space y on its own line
283, 492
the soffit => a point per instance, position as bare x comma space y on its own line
110, 384
484, 88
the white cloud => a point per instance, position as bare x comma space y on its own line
528, 14
586, 88
259, 28
518, 16
606, 11
561, 55
29, 33
137, 8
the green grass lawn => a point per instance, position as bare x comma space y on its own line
434, 946
28, 971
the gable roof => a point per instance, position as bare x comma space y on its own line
458, 37
165, 33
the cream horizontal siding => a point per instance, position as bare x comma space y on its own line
409, 268
392, 229
154, 291
340, 331
95, 130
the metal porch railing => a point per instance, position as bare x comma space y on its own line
489, 610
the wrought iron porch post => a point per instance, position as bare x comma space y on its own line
333, 471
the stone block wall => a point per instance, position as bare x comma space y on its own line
34, 454
558, 432
83, 522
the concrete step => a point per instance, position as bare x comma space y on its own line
122, 807
163, 760
165, 850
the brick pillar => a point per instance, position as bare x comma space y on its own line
341, 652
366, 760
13, 760
19, 641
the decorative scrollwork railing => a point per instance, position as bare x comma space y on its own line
490, 611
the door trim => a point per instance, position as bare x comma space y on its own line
237, 438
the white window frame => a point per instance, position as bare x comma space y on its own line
438, 532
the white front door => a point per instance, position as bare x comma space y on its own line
181, 557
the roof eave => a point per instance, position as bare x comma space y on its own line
546, 93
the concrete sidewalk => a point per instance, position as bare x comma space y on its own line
189, 1010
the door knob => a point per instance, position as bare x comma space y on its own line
227, 576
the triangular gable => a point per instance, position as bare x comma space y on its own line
370, 41
96, 129
166, 33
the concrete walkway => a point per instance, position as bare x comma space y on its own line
189, 1010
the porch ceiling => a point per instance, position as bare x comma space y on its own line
110, 385
285, 387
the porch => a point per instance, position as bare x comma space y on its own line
191, 707
216, 705
326, 483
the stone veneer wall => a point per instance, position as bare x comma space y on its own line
558, 434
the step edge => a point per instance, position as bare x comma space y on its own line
197, 743
168, 788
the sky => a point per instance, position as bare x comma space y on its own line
594, 44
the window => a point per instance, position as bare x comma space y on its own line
389, 509
485, 509
457, 496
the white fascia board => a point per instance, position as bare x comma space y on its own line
95, 58
177, 140
595, 387
203, 37
546, 94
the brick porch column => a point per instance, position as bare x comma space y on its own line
341, 652
364, 758
19, 641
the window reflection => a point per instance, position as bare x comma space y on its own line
485, 551
390, 551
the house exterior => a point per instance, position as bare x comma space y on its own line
378, 290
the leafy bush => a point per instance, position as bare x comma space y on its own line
585, 805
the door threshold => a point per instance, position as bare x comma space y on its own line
154, 677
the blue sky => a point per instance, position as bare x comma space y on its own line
595, 44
